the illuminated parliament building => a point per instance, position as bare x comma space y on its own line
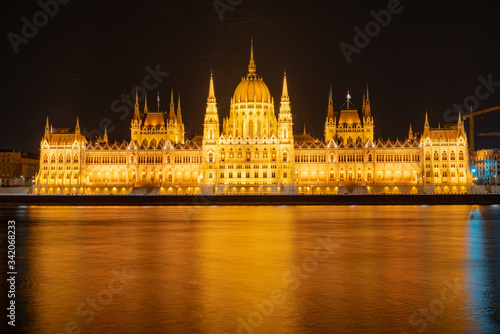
254, 152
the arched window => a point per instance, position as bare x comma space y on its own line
264, 154
45, 158
210, 157
132, 159
75, 158
444, 156
461, 155
256, 152
452, 155
370, 158
436, 155
231, 153
285, 157
248, 154
239, 153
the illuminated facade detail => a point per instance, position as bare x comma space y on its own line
255, 152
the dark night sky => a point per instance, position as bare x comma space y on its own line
429, 57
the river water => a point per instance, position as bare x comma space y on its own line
247, 269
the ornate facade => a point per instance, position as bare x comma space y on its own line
256, 151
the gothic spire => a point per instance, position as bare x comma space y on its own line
426, 120
47, 128
136, 110
367, 109
367, 95
146, 103
179, 116
105, 137
330, 103
211, 91
284, 95
172, 107
77, 127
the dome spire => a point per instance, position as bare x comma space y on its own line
252, 68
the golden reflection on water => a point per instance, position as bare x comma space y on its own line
217, 269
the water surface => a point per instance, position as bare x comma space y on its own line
289, 269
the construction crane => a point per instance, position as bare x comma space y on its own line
471, 116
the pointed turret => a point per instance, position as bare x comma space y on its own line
252, 68
367, 109
77, 127
459, 118
47, 128
285, 100
179, 115
305, 129
211, 123
172, 107
105, 137
211, 91
410, 133
137, 114
330, 104
426, 124
284, 95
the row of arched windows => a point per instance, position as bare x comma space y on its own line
61, 158
444, 155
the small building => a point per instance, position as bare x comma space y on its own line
18, 169
485, 167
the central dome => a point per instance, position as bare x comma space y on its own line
252, 88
